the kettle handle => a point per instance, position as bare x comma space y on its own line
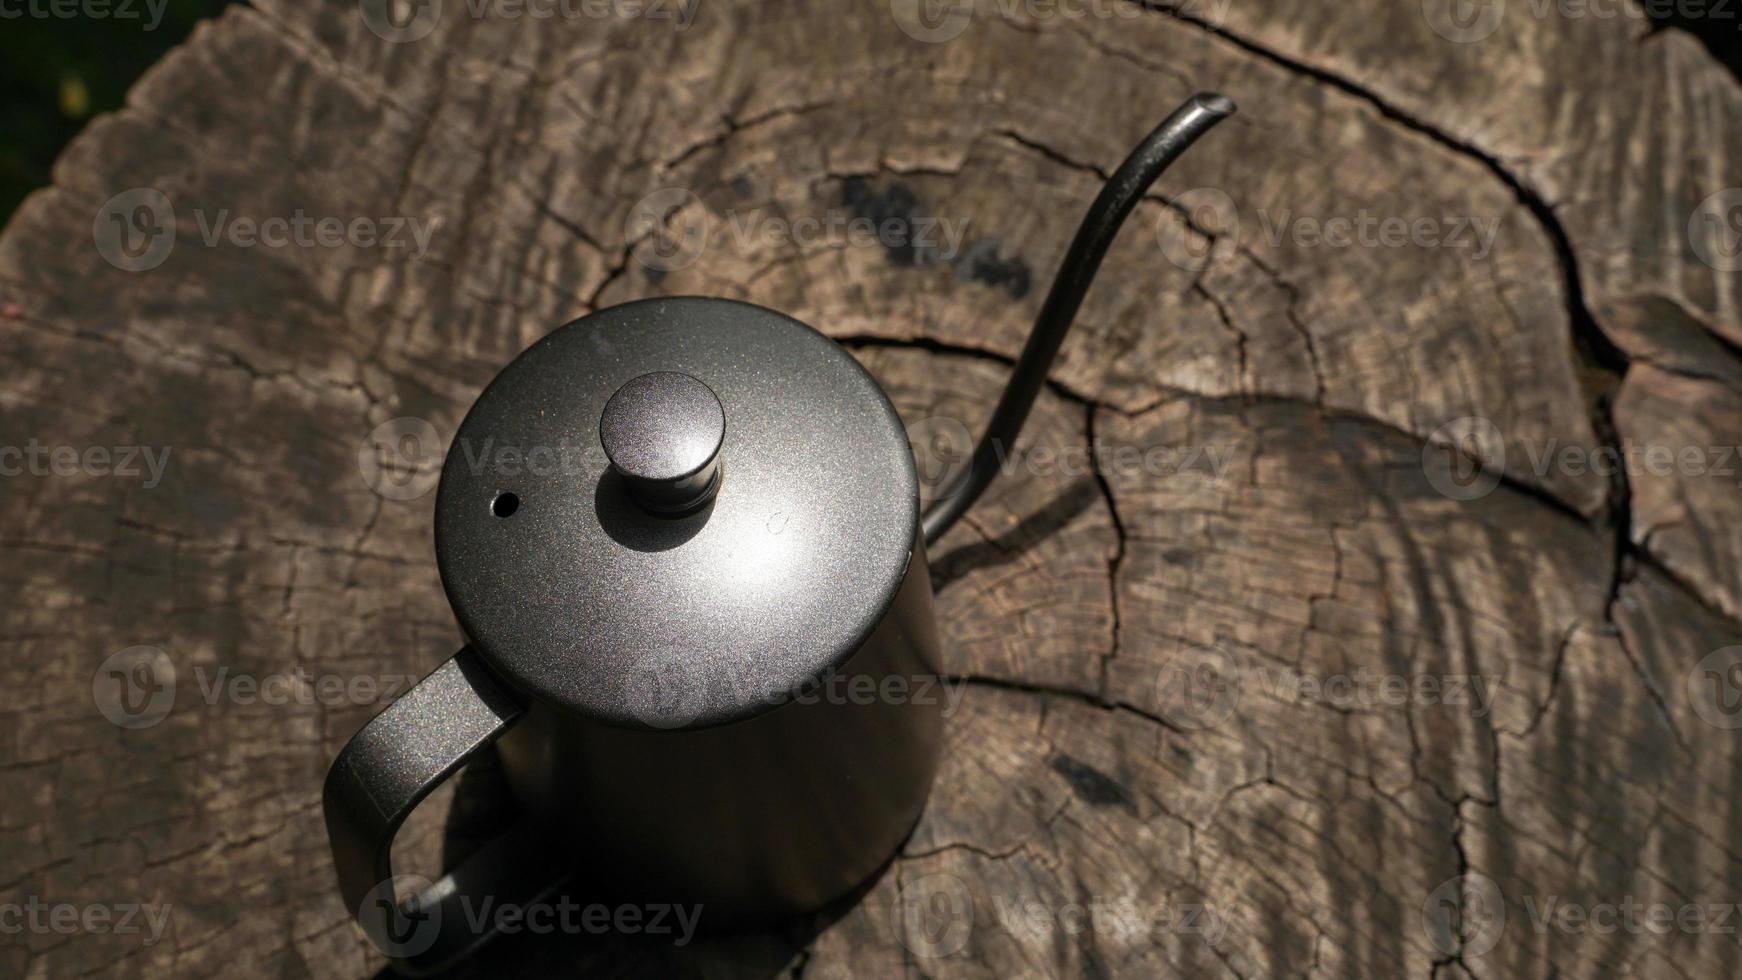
390, 765
1123, 190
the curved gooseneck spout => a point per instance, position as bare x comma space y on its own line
1163, 146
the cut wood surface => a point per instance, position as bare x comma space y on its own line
1311, 632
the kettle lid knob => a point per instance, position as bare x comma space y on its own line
662, 432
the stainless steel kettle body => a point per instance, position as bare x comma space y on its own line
759, 820
700, 618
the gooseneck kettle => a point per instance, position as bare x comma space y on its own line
726, 517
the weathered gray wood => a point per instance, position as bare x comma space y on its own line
1146, 648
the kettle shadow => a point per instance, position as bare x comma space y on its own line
951, 565
630, 526
482, 807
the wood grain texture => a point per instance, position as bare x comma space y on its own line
1239, 524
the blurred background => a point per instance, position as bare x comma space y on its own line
58, 73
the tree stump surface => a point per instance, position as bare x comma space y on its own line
1238, 513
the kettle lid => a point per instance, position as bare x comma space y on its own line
675, 512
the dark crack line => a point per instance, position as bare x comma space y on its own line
734, 126
1052, 154
1240, 339
1288, 288
1589, 339
1644, 559
1463, 870
572, 226
1243, 400
1079, 697
1114, 561
1649, 682
1554, 684
934, 346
